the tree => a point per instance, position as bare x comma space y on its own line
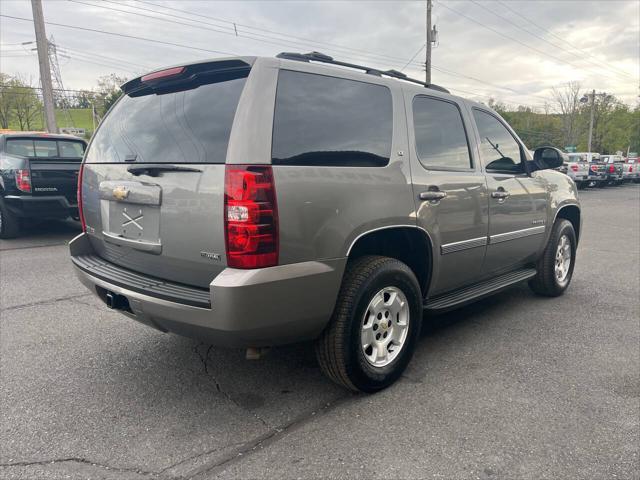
6, 100
108, 91
84, 99
26, 104
567, 99
604, 105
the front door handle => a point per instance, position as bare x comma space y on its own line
500, 194
432, 195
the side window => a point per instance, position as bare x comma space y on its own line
71, 149
441, 140
20, 147
499, 150
327, 121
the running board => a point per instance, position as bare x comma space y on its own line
479, 290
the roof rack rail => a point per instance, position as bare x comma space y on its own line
321, 57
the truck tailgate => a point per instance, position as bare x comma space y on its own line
55, 177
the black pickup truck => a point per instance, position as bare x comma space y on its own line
38, 178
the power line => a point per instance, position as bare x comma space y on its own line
123, 35
244, 25
231, 32
55, 89
601, 67
279, 42
561, 61
104, 57
414, 56
446, 71
584, 52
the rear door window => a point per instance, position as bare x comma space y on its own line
185, 126
441, 139
327, 121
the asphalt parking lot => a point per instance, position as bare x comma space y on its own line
515, 386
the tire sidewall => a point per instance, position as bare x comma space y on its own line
563, 228
365, 376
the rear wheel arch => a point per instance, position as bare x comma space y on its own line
410, 245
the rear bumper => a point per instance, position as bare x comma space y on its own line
248, 308
580, 178
54, 206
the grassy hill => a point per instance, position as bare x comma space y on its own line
80, 118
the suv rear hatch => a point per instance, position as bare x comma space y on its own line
154, 174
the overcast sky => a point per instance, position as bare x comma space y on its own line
484, 48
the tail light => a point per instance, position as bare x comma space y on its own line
80, 212
630, 169
250, 216
23, 180
594, 168
611, 169
574, 167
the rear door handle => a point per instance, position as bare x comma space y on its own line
432, 195
500, 194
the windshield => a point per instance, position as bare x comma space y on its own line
185, 126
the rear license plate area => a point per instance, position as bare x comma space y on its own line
133, 222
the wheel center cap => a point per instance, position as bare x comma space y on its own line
384, 325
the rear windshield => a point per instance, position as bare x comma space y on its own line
44, 148
186, 126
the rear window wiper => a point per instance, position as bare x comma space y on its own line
155, 170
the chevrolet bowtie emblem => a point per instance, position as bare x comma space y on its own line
120, 192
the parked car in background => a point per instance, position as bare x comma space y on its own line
614, 168
578, 170
290, 200
597, 176
632, 169
38, 178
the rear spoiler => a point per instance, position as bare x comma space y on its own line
179, 77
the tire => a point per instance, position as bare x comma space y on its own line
601, 184
340, 351
9, 223
581, 185
547, 281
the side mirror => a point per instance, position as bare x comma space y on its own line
548, 158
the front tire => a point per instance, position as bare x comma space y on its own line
375, 325
9, 223
555, 267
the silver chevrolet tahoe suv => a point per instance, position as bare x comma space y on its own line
253, 202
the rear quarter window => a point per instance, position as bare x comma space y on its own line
327, 121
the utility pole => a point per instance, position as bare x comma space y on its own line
593, 107
591, 97
429, 42
45, 68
